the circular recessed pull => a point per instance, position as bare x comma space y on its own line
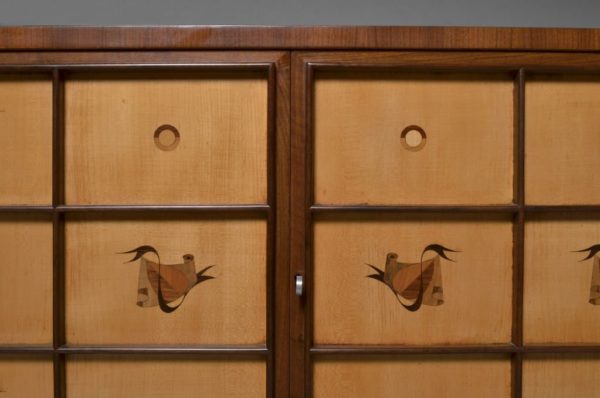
413, 138
166, 137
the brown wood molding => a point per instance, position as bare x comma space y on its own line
297, 37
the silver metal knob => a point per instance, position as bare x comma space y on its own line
299, 285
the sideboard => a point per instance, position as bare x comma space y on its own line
238, 211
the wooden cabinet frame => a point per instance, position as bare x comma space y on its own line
289, 57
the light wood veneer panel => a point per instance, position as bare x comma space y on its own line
449, 376
350, 308
111, 157
359, 158
25, 140
101, 291
562, 140
165, 378
24, 377
557, 285
560, 376
26, 281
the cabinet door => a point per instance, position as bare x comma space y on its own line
444, 225
561, 264
150, 228
405, 233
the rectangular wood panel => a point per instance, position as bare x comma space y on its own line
22, 377
164, 378
26, 139
102, 287
555, 376
562, 125
425, 376
26, 279
111, 155
360, 157
350, 308
558, 285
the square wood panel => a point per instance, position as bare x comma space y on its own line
165, 378
350, 308
112, 157
26, 139
26, 281
103, 289
562, 140
412, 376
23, 377
558, 286
361, 157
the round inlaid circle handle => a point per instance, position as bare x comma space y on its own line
413, 138
166, 137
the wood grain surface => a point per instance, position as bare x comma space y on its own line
111, 157
562, 140
557, 284
101, 291
298, 37
124, 377
22, 377
556, 376
412, 376
359, 156
26, 281
350, 308
26, 139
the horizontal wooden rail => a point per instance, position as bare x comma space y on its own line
454, 349
140, 349
510, 208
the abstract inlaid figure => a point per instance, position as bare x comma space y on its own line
162, 284
421, 282
595, 284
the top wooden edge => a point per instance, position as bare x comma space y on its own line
24, 38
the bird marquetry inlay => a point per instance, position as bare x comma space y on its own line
421, 281
162, 284
595, 283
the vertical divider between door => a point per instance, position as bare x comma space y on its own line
58, 232
279, 203
299, 340
519, 236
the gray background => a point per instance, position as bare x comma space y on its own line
550, 13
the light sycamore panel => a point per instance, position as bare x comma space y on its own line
110, 152
26, 281
448, 376
25, 140
101, 291
25, 377
126, 377
359, 158
350, 308
562, 130
557, 284
561, 376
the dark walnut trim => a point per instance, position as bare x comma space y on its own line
297, 37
